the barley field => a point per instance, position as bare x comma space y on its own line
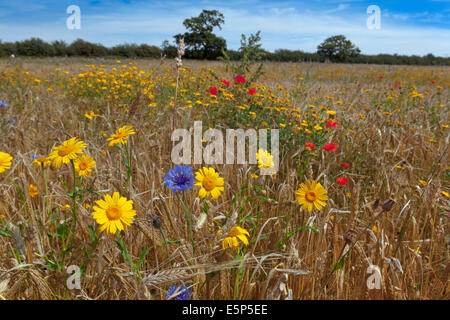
90, 209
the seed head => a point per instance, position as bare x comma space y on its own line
388, 204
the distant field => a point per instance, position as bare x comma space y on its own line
390, 125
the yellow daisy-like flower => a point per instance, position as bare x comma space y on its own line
235, 234
265, 159
42, 161
121, 135
69, 150
84, 165
5, 161
114, 213
32, 190
210, 182
90, 115
311, 194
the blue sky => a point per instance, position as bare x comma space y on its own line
407, 27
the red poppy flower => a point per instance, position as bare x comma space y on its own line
330, 147
226, 82
331, 124
251, 92
310, 145
212, 91
345, 165
342, 181
239, 79
381, 77
433, 82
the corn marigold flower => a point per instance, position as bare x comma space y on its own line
178, 293
239, 79
69, 150
235, 234
84, 165
114, 213
210, 182
342, 181
45, 161
5, 161
90, 115
330, 147
180, 178
265, 159
212, 91
32, 190
311, 194
121, 135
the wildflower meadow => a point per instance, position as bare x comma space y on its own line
93, 204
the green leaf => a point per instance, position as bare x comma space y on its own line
94, 238
141, 259
339, 265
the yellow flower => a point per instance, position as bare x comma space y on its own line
311, 194
64, 208
445, 194
5, 161
331, 112
235, 234
424, 183
84, 165
210, 182
265, 159
114, 213
32, 190
69, 150
253, 175
121, 135
45, 161
91, 115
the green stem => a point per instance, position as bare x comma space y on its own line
188, 220
46, 189
74, 196
123, 249
165, 243
128, 165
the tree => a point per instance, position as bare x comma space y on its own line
337, 48
200, 41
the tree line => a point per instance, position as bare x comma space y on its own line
202, 43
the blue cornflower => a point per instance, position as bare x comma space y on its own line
179, 178
34, 157
178, 293
3, 104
